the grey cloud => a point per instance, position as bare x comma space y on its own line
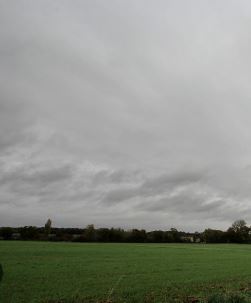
40, 176
49, 176
43, 181
127, 110
14, 121
117, 176
152, 187
119, 195
164, 182
189, 204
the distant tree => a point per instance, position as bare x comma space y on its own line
47, 227
117, 235
90, 233
156, 236
214, 236
174, 235
167, 237
239, 225
6, 232
136, 236
103, 235
239, 232
29, 233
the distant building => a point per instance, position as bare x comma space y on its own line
187, 239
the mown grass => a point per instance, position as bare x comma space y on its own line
59, 272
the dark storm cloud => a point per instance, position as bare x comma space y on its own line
127, 113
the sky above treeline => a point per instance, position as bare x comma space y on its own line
125, 113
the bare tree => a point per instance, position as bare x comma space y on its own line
239, 225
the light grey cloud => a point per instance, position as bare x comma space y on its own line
125, 114
13, 122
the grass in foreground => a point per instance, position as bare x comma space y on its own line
58, 272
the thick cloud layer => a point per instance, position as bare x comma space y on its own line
131, 114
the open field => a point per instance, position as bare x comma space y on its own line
37, 271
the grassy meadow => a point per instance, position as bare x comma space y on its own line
46, 271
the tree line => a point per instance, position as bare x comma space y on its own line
238, 232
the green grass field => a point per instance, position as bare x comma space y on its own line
39, 271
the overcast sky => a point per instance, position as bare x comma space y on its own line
125, 113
